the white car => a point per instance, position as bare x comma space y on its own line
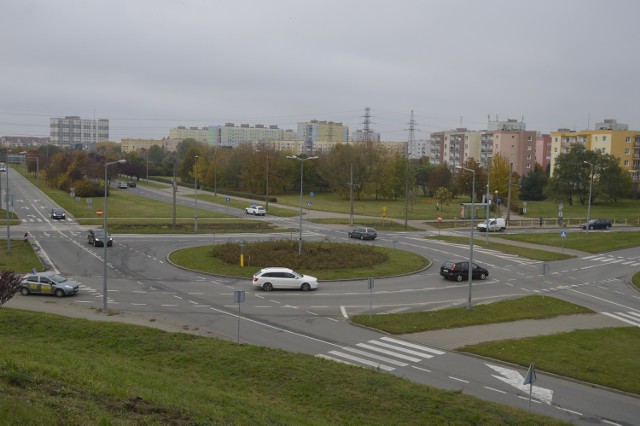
492, 225
272, 278
255, 210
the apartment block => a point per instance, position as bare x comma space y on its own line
201, 134
131, 145
610, 137
78, 133
231, 135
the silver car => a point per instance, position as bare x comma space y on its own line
271, 278
48, 283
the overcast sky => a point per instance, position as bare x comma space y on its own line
150, 65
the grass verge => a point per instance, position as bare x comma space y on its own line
85, 372
529, 253
21, 258
582, 354
529, 307
592, 242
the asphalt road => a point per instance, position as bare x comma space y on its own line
144, 288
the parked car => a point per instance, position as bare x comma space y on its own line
363, 233
273, 278
255, 210
97, 238
597, 224
459, 271
58, 214
48, 283
131, 184
493, 225
122, 185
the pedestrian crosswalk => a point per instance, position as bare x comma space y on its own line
614, 259
385, 353
630, 317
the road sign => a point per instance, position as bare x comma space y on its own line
440, 219
227, 199
99, 212
308, 203
238, 296
531, 375
563, 234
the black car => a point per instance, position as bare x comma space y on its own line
597, 224
459, 271
58, 214
97, 238
131, 184
363, 233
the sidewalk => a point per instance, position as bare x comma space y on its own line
458, 337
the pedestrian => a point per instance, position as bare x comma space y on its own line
437, 206
541, 221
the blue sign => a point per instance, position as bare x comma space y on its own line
563, 234
311, 194
227, 199
308, 203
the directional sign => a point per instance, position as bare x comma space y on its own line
531, 375
515, 379
563, 234
308, 203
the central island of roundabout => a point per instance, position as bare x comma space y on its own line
326, 260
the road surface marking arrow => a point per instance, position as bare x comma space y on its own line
515, 379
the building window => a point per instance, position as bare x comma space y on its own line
626, 163
627, 151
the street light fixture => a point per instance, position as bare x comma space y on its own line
104, 226
590, 190
473, 208
195, 191
301, 160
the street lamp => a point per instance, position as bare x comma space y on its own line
104, 242
473, 208
497, 204
487, 200
195, 192
590, 189
302, 160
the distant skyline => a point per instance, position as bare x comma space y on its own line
149, 66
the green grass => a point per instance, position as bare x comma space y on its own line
186, 226
379, 224
603, 356
635, 279
85, 372
530, 307
592, 242
529, 253
324, 260
20, 258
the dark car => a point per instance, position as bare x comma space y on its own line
597, 224
97, 238
459, 271
363, 233
58, 214
131, 184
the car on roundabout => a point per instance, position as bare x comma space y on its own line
269, 279
363, 233
58, 214
256, 210
48, 283
597, 224
459, 271
97, 238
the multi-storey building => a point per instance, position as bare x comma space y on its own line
609, 137
78, 133
181, 133
365, 136
314, 131
23, 141
231, 135
130, 145
507, 138
543, 149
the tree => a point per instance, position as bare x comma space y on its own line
443, 195
9, 286
463, 182
532, 185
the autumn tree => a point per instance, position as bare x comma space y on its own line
9, 286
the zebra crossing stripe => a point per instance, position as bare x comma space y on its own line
622, 319
363, 361
412, 345
635, 314
374, 356
386, 352
408, 351
631, 317
330, 358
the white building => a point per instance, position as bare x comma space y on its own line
78, 133
231, 135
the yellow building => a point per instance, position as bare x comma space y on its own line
130, 145
610, 138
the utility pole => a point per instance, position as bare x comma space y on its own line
509, 193
410, 143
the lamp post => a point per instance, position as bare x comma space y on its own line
590, 190
104, 242
302, 160
487, 200
473, 208
195, 192
497, 204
